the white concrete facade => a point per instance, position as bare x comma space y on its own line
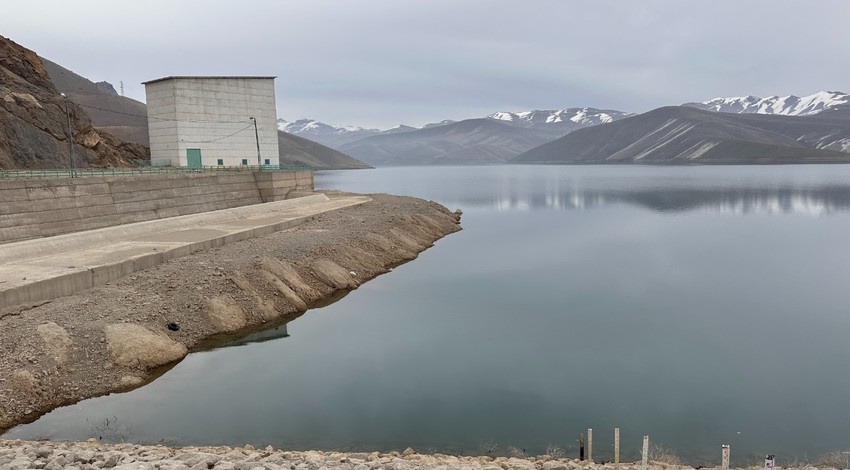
211, 116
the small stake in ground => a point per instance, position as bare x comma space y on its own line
617, 448
581, 446
590, 445
725, 462
644, 457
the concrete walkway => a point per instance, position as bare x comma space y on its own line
47, 268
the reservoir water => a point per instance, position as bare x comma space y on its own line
699, 305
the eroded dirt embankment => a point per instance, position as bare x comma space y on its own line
115, 337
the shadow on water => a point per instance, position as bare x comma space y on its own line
266, 332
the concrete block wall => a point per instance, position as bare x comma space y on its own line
43, 208
278, 185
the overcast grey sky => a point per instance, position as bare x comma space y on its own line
384, 62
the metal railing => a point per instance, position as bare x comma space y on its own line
140, 170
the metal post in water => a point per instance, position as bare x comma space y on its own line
590, 445
581, 447
644, 458
617, 448
724, 464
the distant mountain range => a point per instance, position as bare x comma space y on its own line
337, 136
492, 139
471, 142
684, 134
570, 118
816, 103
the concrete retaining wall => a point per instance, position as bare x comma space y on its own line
43, 208
276, 185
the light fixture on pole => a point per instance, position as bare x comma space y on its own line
70, 135
257, 137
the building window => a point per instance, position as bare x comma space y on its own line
268, 162
220, 162
244, 162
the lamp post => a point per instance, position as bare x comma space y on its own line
257, 137
70, 136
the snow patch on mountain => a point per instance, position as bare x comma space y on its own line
786, 105
580, 116
312, 127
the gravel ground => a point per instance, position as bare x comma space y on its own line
116, 337
20, 455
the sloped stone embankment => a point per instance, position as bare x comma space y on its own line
117, 336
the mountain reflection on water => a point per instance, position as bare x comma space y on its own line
800, 189
787, 200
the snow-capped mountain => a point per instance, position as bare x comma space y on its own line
560, 117
786, 105
549, 124
326, 134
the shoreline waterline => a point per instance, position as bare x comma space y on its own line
122, 335
91, 454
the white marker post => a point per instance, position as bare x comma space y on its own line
590, 445
617, 448
725, 462
644, 458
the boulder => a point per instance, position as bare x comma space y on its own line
138, 347
57, 342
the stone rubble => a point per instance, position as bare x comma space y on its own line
51, 455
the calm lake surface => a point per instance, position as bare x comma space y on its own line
699, 305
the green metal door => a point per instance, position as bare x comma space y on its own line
193, 158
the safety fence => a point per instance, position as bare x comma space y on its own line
139, 170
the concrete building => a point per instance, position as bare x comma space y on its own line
206, 121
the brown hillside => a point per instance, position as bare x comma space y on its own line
33, 120
118, 115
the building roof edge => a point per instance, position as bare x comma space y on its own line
192, 77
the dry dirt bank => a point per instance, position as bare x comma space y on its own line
115, 337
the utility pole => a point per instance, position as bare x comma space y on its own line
70, 136
257, 137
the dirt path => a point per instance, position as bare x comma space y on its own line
116, 337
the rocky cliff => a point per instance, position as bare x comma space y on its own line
34, 120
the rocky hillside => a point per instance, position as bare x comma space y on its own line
120, 116
33, 120
679, 134
294, 149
